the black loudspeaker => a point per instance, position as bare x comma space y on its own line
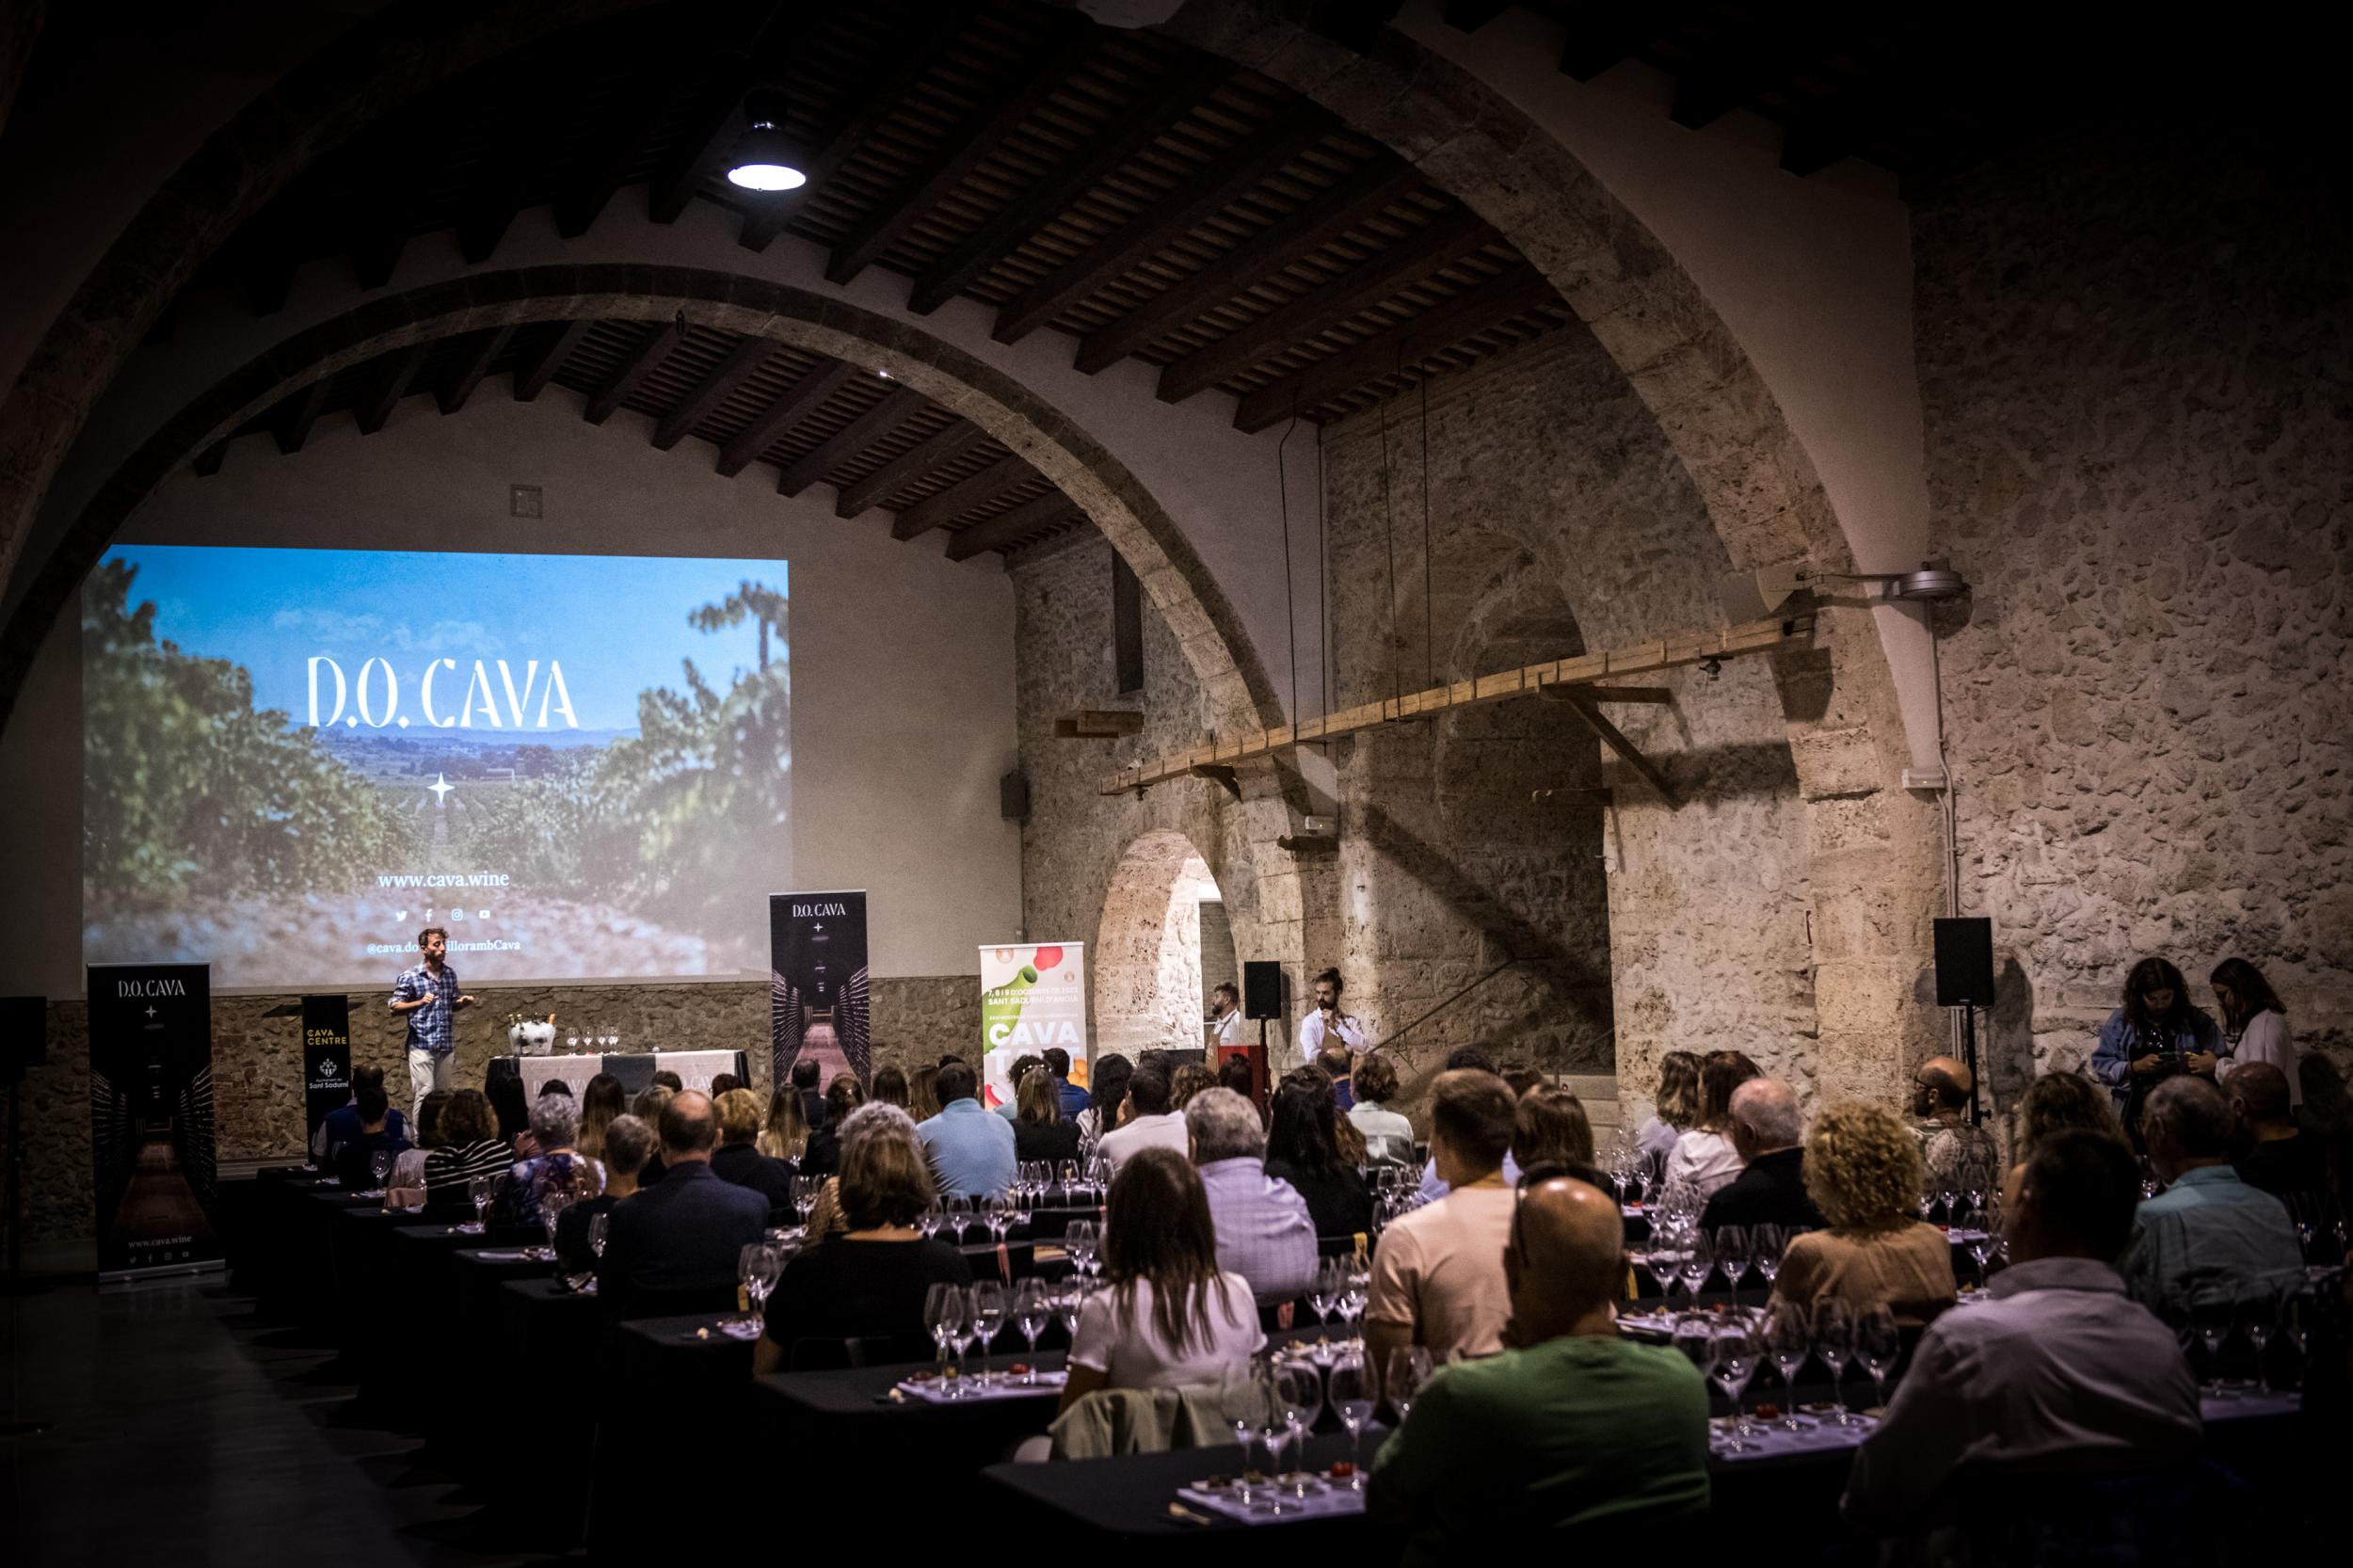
1965, 963
1262, 989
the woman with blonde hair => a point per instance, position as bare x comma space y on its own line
1704, 1158
1191, 1079
1678, 1105
2062, 1103
1862, 1171
924, 1094
786, 1135
600, 1102
1039, 1132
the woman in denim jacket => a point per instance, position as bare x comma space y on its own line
2156, 1035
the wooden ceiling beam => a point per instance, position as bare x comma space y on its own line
400, 370
1509, 294
532, 378
473, 368
1380, 276
1010, 528
910, 465
728, 374
1152, 116
627, 135
298, 414
852, 438
802, 399
977, 489
712, 132
650, 351
1154, 231
1072, 43
209, 460
1344, 206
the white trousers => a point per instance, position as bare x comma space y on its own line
426, 1073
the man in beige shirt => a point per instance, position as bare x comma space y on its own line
1437, 1277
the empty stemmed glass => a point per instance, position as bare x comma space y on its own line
805, 1191
944, 1308
1694, 1335
1833, 1347
1331, 1284
381, 1167
2211, 1321
1698, 1263
1877, 1345
929, 1221
1987, 1217
1299, 1396
1078, 1239
599, 1225
1068, 1301
1766, 1244
1664, 1258
1739, 1349
1407, 1371
480, 1189
1353, 1300
988, 1316
1351, 1393
759, 1264
1732, 1257
552, 1214
1067, 1177
1788, 1339
957, 1212
2254, 1320
997, 1213
1031, 1307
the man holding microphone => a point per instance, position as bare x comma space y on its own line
427, 996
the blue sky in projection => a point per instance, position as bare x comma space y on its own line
616, 624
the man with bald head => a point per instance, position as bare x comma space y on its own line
1574, 1434
1769, 1134
673, 1246
1957, 1156
2281, 1159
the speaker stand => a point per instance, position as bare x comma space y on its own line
1969, 1060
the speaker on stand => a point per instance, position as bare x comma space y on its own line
1964, 979
1261, 999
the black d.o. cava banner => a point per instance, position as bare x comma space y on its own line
817, 982
151, 1069
326, 1060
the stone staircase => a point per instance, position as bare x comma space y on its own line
1599, 1093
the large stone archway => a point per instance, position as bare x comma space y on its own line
1147, 977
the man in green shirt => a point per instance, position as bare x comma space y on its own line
1574, 1434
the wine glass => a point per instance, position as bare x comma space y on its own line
1732, 1257
1664, 1257
1877, 1344
1833, 1346
552, 1213
1299, 1396
1739, 1349
2254, 1320
1031, 1307
480, 1189
2211, 1320
929, 1221
997, 1213
943, 1317
1694, 1335
381, 1167
804, 1190
598, 1226
1067, 1302
1407, 1371
767, 1269
1067, 1178
988, 1316
1766, 1244
1988, 1240
1358, 1273
1351, 1392
1698, 1263
1331, 1283
957, 1211
1078, 1239
1788, 1339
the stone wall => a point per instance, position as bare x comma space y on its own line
257, 1061
2133, 352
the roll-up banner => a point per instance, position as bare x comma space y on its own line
817, 985
326, 1060
150, 1068
1033, 996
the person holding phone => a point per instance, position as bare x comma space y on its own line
2154, 1035
1327, 1021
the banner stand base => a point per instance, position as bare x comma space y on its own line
163, 1271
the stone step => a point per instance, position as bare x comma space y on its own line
1598, 1093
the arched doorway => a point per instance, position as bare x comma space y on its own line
1163, 944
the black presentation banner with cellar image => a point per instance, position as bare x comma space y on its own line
326, 1060
150, 1097
817, 983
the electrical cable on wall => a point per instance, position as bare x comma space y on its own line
1388, 524
1324, 584
1290, 609
1428, 637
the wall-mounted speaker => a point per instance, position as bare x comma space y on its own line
1965, 963
1262, 989
1012, 796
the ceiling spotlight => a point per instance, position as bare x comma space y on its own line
762, 158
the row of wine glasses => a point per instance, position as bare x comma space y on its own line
1689, 1255
951, 1217
1951, 1203
605, 1042
1341, 1285
1083, 1241
1290, 1395
2216, 1322
1731, 1348
962, 1317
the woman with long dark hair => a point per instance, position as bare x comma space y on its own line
1303, 1148
1172, 1319
2254, 1024
2155, 1034
600, 1102
1678, 1105
1703, 1156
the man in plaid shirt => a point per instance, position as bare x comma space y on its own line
428, 997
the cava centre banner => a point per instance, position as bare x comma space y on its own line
1033, 997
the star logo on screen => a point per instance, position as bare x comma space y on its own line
440, 790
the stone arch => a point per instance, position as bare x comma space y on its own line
1148, 949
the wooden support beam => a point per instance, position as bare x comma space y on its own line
1154, 231
1428, 249
800, 400
1097, 724
1342, 207
1614, 738
209, 460
1659, 695
1072, 43
650, 351
1406, 345
901, 471
1573, 795
1586, 670
1129, 134
627, 134
532, 377
847, 442
1015, 526
961, 497
728, 374
400, 370
487, 346
1220, 775
298, 413
712, 128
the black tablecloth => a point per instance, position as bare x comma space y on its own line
635, 1069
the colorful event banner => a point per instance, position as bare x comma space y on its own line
817, 983
150, 1105
326, 1060
1033, 996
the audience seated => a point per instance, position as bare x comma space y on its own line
647, 1107
1388, 1136
1553, 1134
890, 1087
822, 1157
1339, 1067
721, 1084
2278, 1157
1862, 1171
372, 1110
1957, 1157
1040, 1130
1678, 1107
603, 1099
627, 1144
559, 1167
1172, 1318
970, 1150
1152, 1124
1263, 1230
1704, 1158
678, 1241
805, 1073
1188, 1081
512, 1108
1074, 1097
341, 1125
738, 1158
405, 1190
1574, 1434
2058, 1372
471, 1146
1016, 1070
870, 1281
785, 1134
1767, 1130
2208, 1236
1303, 1148
2063, 1102
1234, 1072
1468, 1059
1108, 1088
666, 1078
1437, 1275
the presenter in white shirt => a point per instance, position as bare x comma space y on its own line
1328, 1020
1224, 1016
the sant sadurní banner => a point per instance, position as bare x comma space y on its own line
817, 985
326, 1060
1033, 996
151, 1070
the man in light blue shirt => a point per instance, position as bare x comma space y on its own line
971, 1151
2209, 1237
1264, 1233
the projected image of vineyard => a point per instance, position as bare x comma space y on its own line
580, 765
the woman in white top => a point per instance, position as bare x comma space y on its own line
1678, 1107
1704, 1158
1170, 1319
1388, 1136
2254, 1025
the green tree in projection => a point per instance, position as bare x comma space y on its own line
188, 789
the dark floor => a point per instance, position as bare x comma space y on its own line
184, 1432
